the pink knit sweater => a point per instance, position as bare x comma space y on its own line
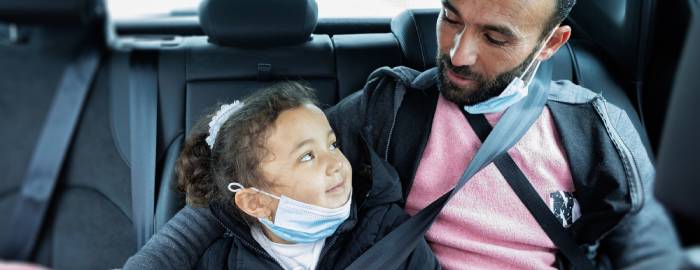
485, 226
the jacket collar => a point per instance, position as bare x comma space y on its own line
238, 228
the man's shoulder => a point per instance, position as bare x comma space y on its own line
406, 76
611, 113
380, 88
566, 91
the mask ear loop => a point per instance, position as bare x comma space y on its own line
529, 74
236, 187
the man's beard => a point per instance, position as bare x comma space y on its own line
485, 88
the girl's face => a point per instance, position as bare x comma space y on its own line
304, 162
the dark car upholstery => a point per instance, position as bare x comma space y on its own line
89, 220
89, 223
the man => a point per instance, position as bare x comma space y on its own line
582, 155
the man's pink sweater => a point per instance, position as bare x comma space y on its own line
485, 226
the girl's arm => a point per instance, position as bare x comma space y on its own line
180, 243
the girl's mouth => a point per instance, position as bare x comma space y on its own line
336, 187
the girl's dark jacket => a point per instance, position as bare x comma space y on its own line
375, 212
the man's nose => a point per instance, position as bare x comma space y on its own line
464, 50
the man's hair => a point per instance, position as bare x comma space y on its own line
561, 11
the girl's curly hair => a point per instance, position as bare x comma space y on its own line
204, 173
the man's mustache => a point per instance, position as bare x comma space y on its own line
463, 71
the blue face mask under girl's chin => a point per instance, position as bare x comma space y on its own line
299, 222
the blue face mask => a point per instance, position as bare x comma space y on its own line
516, 90
300, 222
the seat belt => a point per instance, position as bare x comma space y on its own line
532, 200
39, 184
143, 113
396, 246
527, 194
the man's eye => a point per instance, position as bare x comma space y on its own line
307, 157
495, 41
446, 14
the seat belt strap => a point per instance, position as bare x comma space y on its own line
143, 113
514, 123
40, 181
532, 200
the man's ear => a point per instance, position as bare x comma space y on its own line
559, 38
254, 203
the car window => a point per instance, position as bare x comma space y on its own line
124, 9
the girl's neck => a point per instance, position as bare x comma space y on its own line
274, 238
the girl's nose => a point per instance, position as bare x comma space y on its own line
334, 164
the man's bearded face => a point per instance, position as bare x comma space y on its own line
483, 87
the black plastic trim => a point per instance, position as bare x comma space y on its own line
189, 26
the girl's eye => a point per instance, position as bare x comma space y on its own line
334, 146
307, 157
494, 41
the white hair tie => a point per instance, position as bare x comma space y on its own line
219, 119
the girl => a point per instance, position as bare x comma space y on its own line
271, 172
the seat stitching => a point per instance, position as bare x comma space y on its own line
420, 39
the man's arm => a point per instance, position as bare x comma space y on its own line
180, 243
647, 239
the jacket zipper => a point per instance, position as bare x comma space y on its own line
326, 248
391, 129
388, 141
249, 245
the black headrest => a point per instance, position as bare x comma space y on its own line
415, 30
258, 22
50, 11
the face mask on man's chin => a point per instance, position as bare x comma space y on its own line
494, 96
485, 89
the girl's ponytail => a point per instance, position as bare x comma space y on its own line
193, 168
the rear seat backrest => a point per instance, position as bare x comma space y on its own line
249, 45
357, 55
88, 225
252, 45
223, 74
